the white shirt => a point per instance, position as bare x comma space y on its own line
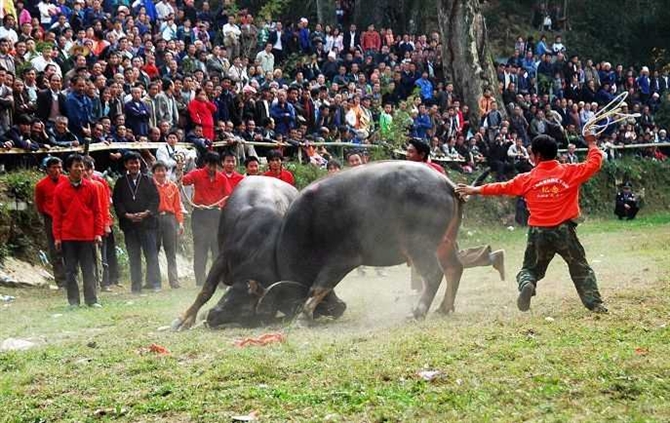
278, 45
45, 9
163, 9
40, 63
10, 34
231, 30
267, 60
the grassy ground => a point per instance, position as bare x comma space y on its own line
556, 363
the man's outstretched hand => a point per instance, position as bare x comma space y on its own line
463, 190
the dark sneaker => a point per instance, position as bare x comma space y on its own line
599, 308
156, 289
498, 262
106, 289
175, 286
527, 292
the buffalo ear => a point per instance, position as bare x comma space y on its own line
255, 288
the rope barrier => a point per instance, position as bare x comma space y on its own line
96, 147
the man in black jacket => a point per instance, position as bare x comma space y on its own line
51, 101
136, 203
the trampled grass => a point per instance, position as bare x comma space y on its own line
556, 363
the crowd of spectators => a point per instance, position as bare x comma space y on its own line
94, 71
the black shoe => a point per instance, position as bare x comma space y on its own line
527, 292
175, 286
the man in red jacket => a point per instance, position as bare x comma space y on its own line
77, 227
277, 169
211, 189
551, 191
229, 162
110, 265
44, 196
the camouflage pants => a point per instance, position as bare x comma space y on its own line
544, 244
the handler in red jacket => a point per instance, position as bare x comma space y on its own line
551, 191
277, 169
44, 197
77, 227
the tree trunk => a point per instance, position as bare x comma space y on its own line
319, 11
466, 58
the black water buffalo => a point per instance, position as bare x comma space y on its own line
248, 228
381, 214
247, 234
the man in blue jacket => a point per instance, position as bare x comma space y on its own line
137, 114
283, 113
79, 109
422, 123
425, 86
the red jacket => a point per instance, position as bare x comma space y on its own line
284, 175
44, 194
76, 212
551, 189
105, 200
208, 191
371, 40
234, 179
202, 113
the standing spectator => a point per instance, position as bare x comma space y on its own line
77, 227
202, 112
136, 202
304, 36
110, 264
170, 154
229, 164
211, 189
166, 105
137, 114
279, 40
252, 166
6, 59
371, 41
351, 39
277, 169
644, 85
231, 37
170, 220
266, 58
425, 88
283, 114
44, 199
79, 109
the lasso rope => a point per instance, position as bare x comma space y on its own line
611, 114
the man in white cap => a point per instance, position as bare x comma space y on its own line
644, 85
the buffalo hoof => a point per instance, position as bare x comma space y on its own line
302, 321
419, 313
445, 310
180, 323
334, 308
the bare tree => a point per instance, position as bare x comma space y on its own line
465, 53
